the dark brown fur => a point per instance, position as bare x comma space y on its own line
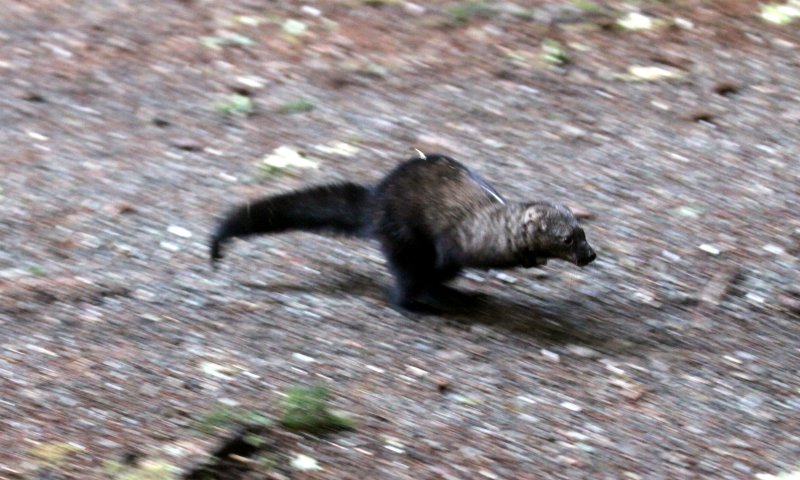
433, 217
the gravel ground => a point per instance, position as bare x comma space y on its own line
675, 355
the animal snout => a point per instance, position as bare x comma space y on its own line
586, 256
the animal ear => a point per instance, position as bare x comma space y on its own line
532, 215
536, 219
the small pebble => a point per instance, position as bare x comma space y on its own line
550, 356
107, 443
302, 358
746, 355
754, 298
633, 394
711, 249
790, 301
583, 352
312, 11
474, 277
442, 384
577, 436
566, 460
615, 369
672, 257
573, 132
37, 136
504, 277
731, 359
179, 231
572, 407
491, 143
250, 82
169, 246
143, 295
774, 249
414, 8
187, 144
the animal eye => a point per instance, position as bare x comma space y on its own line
568, 240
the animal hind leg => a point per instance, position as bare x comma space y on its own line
420, 283
415, 275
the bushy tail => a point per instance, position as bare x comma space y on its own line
338, 208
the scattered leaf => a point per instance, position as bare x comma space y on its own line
393, 444
214, 370
249, 20
586, 5
231, 39
284, 158
636, 21
223, 416
37, 270
641, 73
782, 14
465, 12
56, 453
467, 401
294, 27
338, 148
297, 106
254, 440
306, 410
375, 70
148, 470
236, 105
378, 3
554, 53
304, 463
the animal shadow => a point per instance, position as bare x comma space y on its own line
589, 321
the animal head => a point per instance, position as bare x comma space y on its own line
552, 231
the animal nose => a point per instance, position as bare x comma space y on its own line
586, 258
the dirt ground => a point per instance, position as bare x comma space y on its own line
675, 355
